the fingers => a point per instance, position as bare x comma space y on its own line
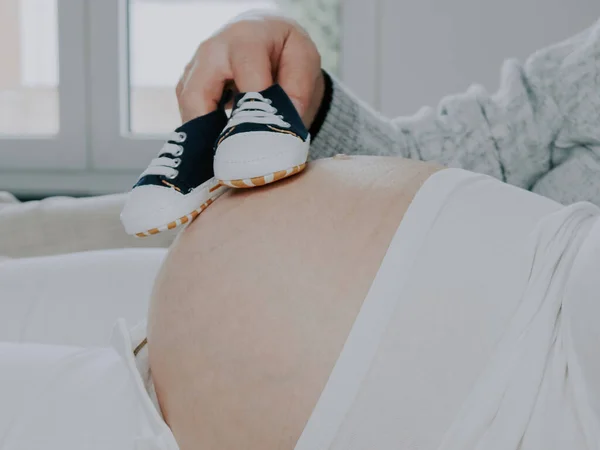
218, 62
251, 66
299, 70
201, 86
249, 53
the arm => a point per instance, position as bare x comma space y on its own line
510, 135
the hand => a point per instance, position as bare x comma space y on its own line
250, 54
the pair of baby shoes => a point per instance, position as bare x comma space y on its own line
263, 141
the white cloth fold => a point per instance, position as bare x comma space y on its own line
534, 350
479, 331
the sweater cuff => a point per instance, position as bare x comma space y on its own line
324, 107
335, 127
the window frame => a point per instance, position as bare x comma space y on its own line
94, 152
113, 146
66, 150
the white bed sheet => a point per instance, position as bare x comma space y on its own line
75, 299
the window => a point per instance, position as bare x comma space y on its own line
163, 36
87, 88
42, 87
29, 76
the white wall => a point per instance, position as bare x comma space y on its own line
432, 48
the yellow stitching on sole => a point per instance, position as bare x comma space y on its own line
258, 181
185, 219
262, 180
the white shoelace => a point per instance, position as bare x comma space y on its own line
254, 108
162, 165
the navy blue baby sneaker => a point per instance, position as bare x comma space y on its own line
179, 183
264, 140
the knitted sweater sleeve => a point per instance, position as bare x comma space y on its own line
545, 114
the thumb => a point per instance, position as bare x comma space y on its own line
299, 70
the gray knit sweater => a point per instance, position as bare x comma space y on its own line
540, 131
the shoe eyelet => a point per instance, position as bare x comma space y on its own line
173, 175
179, 151
176, 162
182, 136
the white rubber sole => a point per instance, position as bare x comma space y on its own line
186, 219
257, 158
263, 179
180, 210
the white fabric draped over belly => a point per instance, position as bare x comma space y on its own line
479, 331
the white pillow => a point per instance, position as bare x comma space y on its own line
75, 299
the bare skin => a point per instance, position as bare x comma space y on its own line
256, 299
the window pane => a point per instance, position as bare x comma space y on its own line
164, 34
29, 73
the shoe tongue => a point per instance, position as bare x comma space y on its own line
203, 131
204, 124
